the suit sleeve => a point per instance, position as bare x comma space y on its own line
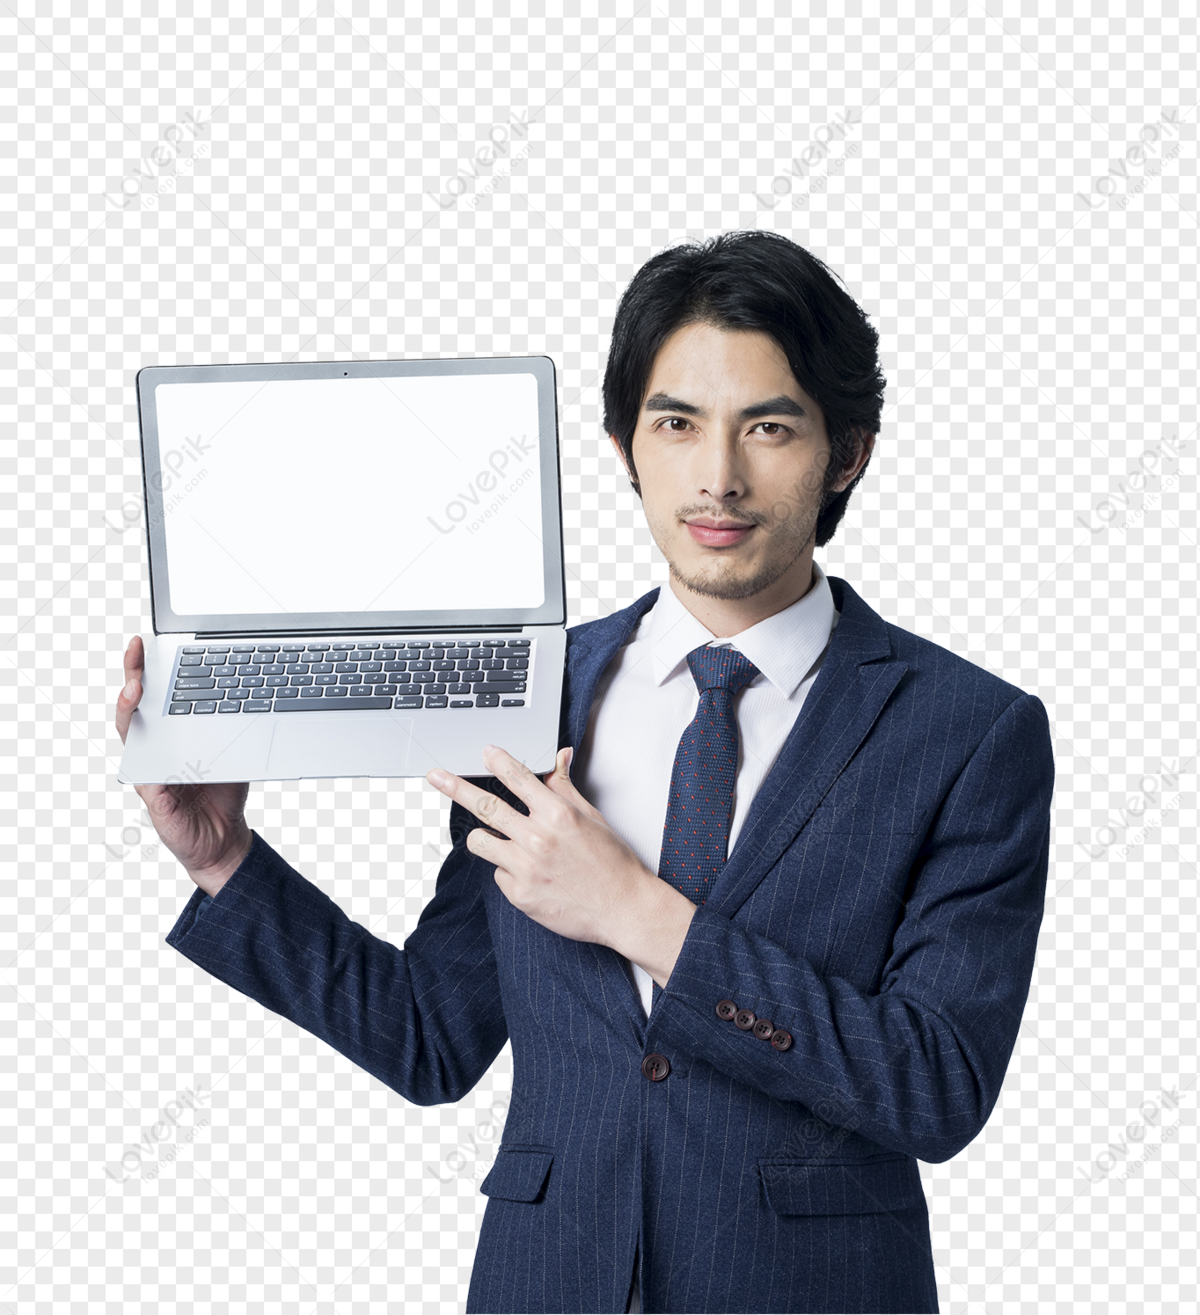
426, 1020
916, 1067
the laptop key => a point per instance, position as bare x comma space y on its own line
257, 705
199, 683
227, 706
311, 692
342, 705
287, 693
408, 701
194, 650
206, 705
224, 670
512, 703
192, 659
179, 709
487, 700
437, 701
461, 703
216, 648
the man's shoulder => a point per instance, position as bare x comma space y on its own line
606, 631
935, 673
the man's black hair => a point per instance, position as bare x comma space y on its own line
753, 281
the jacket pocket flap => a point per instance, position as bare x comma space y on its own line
848, 1187
517, 1175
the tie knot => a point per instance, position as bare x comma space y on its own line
720, 668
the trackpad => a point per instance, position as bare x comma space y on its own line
303, 746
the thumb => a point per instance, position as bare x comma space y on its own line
561, 775
559, 781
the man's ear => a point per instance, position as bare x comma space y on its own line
866, 445
612, 438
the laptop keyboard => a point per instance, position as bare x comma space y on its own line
345, 675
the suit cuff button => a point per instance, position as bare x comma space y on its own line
764, 1028
726, 1010
781, 1040
745, 1019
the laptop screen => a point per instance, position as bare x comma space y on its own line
352, 495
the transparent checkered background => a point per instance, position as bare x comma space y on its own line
1037, 307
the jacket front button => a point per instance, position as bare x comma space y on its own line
726, 1009
763, 1027
781, 1040
655, 1067
744, 1018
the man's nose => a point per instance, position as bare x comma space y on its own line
719, 472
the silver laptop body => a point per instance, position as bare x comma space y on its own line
356, 569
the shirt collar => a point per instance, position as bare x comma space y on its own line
784, 647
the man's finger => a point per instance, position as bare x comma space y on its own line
135, 658
559, 783
526, 785
131, 693
490, 809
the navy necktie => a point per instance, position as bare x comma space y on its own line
700, 805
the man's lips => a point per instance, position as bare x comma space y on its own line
717, 534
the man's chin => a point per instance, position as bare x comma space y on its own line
729, 585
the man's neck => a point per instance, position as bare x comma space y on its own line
724, 617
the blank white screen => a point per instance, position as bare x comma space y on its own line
352, 495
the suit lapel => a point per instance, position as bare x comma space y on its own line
856, 680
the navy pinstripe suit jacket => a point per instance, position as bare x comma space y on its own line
882, 905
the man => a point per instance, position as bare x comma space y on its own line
772, 941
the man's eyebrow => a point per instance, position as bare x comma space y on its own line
661, 402
775, 406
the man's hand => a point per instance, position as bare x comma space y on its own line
202, 825
566, 868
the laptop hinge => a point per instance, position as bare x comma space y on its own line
349, 631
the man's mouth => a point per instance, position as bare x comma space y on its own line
717, 533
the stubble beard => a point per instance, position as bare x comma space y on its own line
721, 579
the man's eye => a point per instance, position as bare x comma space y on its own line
676, 424
770, 428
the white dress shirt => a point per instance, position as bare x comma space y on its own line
647, 696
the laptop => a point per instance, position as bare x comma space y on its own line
356, 569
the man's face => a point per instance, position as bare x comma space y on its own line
731, 456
